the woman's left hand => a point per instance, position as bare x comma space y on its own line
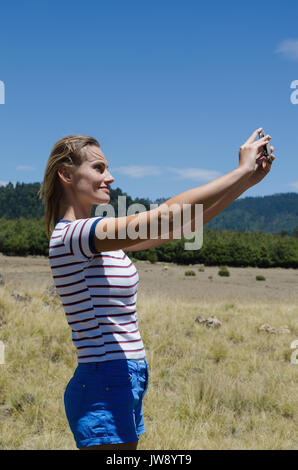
262, 170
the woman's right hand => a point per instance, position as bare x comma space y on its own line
251, 150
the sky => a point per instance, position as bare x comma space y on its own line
170, 88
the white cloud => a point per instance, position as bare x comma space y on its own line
135, 171
294, 185
196, 174
289, 48
25, 168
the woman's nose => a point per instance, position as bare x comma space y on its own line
109, 177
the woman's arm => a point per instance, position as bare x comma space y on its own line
114, 234
226, 200
230, 196
258, 175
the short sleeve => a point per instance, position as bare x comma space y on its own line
79, 238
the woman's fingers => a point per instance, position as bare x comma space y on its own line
263, 141
267, 162
264, 158
254, 135
272, 157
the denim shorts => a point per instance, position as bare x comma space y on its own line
103, 401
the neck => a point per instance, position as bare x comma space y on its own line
72, 212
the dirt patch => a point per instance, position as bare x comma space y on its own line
169, 280
280, 284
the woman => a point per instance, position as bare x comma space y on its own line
98, 283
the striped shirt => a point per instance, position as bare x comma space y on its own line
98, 291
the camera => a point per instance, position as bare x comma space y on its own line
266, 148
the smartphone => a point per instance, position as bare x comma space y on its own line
266, 148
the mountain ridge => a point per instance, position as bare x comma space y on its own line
277, 213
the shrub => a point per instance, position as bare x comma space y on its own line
260, 278
223, 271
190, 273
153, 258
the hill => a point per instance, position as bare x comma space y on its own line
274, 214
269, 214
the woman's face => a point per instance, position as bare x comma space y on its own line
91, 179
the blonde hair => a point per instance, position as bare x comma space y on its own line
67, 152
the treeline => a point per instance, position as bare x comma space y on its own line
276, 214
22, 237
232, 248
270, 214
22, 200
253, 231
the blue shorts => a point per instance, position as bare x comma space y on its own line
103, 401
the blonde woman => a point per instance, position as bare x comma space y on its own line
98, 283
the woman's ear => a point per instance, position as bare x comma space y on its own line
65, 174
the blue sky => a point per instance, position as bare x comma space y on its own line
170, 88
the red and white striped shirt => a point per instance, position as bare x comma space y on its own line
98, 291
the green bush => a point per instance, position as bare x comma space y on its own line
190, 273
260, 278
223, 271
24, 236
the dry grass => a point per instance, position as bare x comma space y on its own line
227, 388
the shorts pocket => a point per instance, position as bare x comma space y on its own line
146, 380
74, 397
110, 385
119, 378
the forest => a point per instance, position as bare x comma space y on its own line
253, 231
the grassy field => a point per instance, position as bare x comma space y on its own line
228, 388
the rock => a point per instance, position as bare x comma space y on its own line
271, 329
1, 280
200, 319
268, 328
20, 298
283, 329
213, 322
